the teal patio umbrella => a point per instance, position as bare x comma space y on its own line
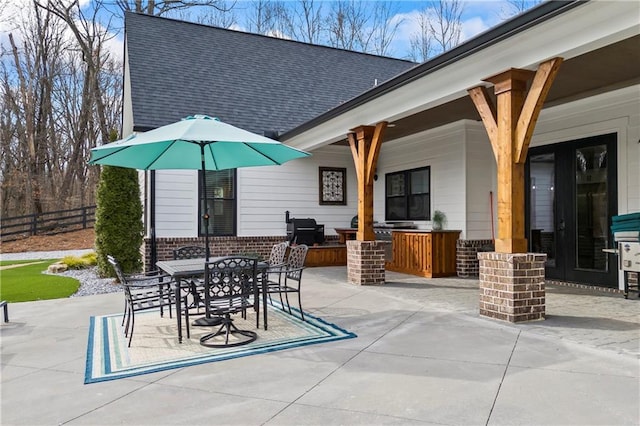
196, 142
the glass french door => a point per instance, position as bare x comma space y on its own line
571, 197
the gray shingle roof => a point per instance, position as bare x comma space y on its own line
254, 82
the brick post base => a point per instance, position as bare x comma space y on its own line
512, 286
365, 262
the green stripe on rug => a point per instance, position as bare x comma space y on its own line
155, 344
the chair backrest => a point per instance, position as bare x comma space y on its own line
295, 261
278, 253
230, 283
116, 267
189, 252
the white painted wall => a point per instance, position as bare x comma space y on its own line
265, 193
127, 105
176, 203
443, 150
480, 176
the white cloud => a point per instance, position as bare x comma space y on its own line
15, 13
472, 27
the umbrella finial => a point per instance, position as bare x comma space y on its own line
201, 117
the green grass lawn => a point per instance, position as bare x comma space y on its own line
27, 283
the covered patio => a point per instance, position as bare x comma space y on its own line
422, 356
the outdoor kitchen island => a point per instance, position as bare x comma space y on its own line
426, 253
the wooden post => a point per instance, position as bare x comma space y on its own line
365, 144
510, 127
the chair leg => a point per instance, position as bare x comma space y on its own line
133, 322
124, 313
300, 305
186, 316
286, 296
126, 327
227, 328
5, 311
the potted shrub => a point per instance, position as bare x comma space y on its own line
438, 220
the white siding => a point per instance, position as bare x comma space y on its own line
127, 105
441, 149
480, 183
176, 203
265, 193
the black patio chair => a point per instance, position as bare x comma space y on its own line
193, 299
288, 277
275, 264
230, 288
142, 293
189, 252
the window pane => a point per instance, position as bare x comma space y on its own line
220, 184
407, 194
395, 184
221, 203
420, 181
419, 207
591, 208
396, 208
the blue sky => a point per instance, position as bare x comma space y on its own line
478, 16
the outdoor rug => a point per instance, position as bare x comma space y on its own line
155, 344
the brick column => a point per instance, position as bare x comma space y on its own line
365, 262
467, 256
512, 286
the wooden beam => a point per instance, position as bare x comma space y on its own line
365, 142
510, 126
480, 97
353, 144
538, 92
374, 150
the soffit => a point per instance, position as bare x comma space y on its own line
611, 67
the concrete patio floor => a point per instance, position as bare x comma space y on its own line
423, 356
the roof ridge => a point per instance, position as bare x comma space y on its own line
267, 37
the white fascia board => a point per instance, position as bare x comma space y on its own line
127, 103
585, 28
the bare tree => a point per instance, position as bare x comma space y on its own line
223, 15
303, 20
345, 22
264, 17
439, 28
516, 7
163, 8
446, 25
28, 109
59, 93
421, 41
384, 27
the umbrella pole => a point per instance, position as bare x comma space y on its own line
205, 215
208, 320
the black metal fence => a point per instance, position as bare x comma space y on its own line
47, 223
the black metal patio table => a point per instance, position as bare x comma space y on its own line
189, 268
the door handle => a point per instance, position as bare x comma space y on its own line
561, 225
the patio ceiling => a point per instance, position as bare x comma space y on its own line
598, 71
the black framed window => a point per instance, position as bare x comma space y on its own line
221, 198
408, 195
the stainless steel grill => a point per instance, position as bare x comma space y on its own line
383, 232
